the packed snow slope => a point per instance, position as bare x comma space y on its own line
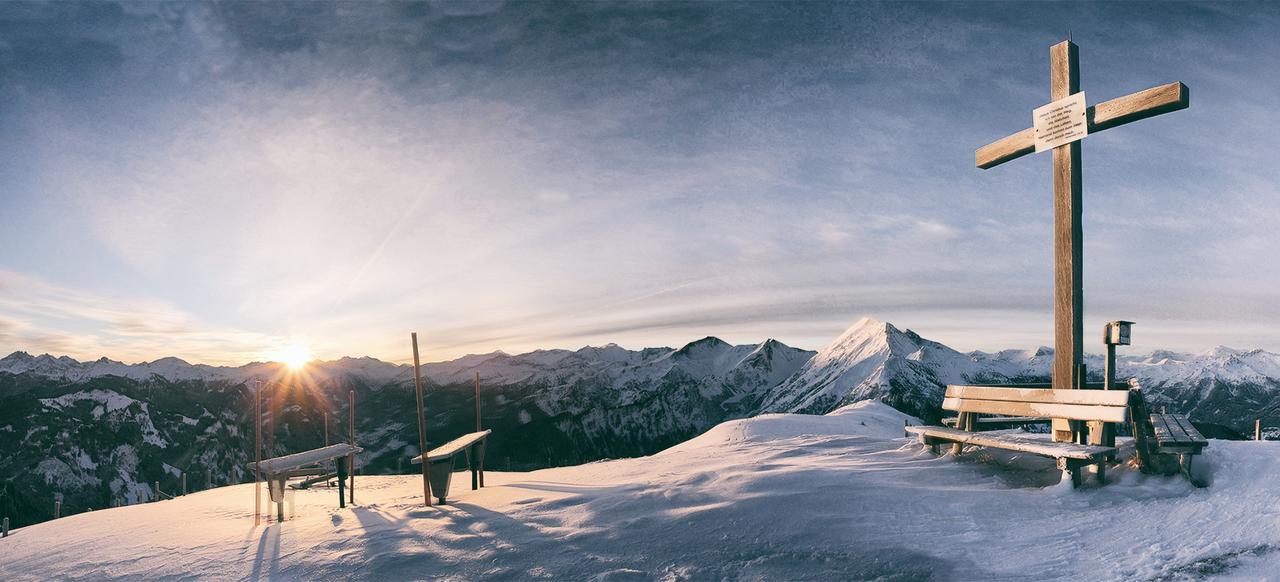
778, 496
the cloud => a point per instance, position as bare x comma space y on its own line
527, 174
39, 316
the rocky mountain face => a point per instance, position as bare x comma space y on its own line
103, 432
97, 434
1223, 390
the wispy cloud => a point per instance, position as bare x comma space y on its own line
213, 179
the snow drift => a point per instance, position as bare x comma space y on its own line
780, 496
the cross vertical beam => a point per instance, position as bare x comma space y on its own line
1068, 294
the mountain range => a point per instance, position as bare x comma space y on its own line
102, 432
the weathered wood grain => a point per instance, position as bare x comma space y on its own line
1048, 396
1064, 73
1040, 409
1106, 115
1023, 444
1176, 429
452, 447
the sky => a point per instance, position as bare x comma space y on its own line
226, 181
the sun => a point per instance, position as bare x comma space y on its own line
295, 356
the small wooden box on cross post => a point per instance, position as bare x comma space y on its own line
1055, 127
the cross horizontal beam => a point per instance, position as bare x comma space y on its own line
1105, 115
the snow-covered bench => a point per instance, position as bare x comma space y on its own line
1079, 406
440, 469
277, 471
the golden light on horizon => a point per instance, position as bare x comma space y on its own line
295, 356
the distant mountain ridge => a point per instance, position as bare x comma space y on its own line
872, 359
104, 432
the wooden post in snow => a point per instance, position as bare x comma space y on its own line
184, 482
57, 509
480, 449
422, 422
1064, 75
271, 422
340, 464
1257, 430
257, 454
351, 414
5, 529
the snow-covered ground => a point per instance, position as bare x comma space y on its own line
841, 496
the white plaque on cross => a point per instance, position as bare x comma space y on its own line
1060, 122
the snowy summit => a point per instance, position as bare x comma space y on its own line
781, 496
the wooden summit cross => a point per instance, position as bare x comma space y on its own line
1061, 125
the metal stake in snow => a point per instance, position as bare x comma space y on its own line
1061, 128
422, 422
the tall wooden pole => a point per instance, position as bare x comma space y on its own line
351, 407
480, 449
422, 422
1068, 294
257, 454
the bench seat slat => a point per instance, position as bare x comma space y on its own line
1034, 446
453, 447
1191, 430
1043, 395
999, 420
1039, 409
1174, 430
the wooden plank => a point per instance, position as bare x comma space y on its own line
452, 447
1179, 434
1167, 433
1192, 431
1000, 420
1006, 148
1040, 409
1023, 444
1048, 396
1175, 429
1068, 293
1141, 105
1106, 115
296, 460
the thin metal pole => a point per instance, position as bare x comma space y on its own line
422, 422
257, 454
326, 428
478, 402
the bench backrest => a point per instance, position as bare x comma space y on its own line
1103, 405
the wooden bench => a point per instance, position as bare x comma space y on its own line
1175, 437
441, 459
277, 471
1077, 406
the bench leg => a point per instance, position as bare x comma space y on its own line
1102, 472
962, 423
1072, 467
